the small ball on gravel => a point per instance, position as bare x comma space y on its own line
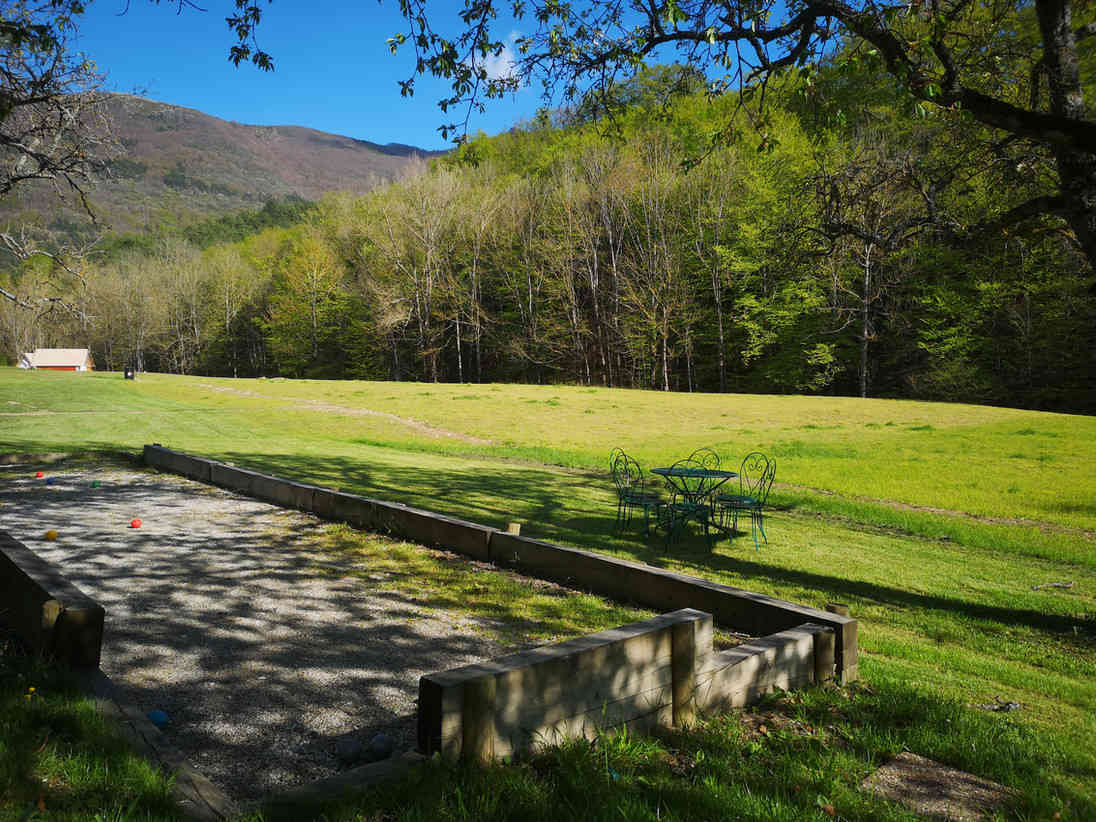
348, 751
380, 747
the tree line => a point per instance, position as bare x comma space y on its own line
825, 252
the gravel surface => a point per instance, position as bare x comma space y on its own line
266, 656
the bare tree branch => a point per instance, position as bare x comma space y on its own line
67, 261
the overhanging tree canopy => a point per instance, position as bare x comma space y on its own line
1013, 65
54, 126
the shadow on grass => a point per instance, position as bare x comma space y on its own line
1071, 630
520, 610
796, 754
579, 509
60, 759
231, 635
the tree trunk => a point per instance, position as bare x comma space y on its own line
580, 347
230, 338
717, 294
865, 323
689, 359
665, 352
476, 330
315, 321
1076, 169
460, 360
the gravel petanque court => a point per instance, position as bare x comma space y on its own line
270, 660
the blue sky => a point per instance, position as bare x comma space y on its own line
333, 70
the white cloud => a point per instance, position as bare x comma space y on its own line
500, 66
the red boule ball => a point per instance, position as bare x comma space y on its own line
135, 523
39, 475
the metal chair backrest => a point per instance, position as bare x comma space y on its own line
627, 475
706, 457
693, 489
756, 476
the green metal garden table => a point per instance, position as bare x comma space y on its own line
691, 488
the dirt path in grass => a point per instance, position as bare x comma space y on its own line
317, 405
1042, 525
268, 654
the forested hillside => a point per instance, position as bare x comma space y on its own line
176, 166
841, 246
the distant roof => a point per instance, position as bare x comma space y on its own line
54, 357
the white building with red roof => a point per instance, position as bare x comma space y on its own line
58, 359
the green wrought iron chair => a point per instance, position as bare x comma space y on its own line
690, 500
706, 457
755, 479
632, 493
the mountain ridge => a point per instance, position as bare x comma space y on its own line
180, 165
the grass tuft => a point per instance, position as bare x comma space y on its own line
60, 759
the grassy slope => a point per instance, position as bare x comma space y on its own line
946, 601
989, 461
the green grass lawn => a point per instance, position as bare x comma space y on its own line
933, 522
60, 759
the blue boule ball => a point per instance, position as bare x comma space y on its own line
381, 747
158, 718
348, 751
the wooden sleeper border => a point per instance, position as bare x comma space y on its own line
656, 673
54, 617
661, 671
733, 608
472, 711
